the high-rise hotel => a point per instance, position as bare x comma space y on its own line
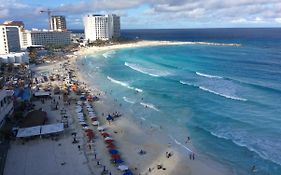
58, 23
101, 27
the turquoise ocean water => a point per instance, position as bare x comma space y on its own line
227, 97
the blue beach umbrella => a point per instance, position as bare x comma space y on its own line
113, 151
109, 117
118, 161
128, 172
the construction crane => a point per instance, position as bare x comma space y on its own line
48, 11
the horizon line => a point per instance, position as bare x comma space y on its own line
194, 28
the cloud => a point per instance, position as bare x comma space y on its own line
156, 12
278, 20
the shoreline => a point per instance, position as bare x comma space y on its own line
146, 43
179, 163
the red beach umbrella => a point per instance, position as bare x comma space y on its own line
90, 134
88, 130
109, 141
115, 156
105, 134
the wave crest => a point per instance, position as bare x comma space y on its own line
213, 92
151, 72
151, 106
208, 76
221, 94
108, 54
128, 100
124, 84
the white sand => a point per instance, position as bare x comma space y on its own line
93, 50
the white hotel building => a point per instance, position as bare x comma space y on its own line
37, 37
9, 39
102, 27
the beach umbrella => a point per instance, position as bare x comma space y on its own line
123, 167
108, 141
109, 117
105, 134
96, 123
118, 161
115, 156
82, 97
95, 98
108, 138
90, 134
113, 151
101, 128
82, 123
128, 172
88, 130
111, 146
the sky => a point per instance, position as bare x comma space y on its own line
149, 14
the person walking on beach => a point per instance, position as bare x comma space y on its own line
79, 147
193, 156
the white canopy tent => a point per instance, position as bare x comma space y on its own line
40, 130
52, 128
28, 132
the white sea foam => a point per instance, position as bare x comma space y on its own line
143, 118
186, 83
124, 84
108, 54
223, 95
151, 72
151, 106
217, 44
208, 76
180, 144
128, 100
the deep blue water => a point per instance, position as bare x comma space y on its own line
227, 97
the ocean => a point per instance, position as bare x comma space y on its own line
227, 98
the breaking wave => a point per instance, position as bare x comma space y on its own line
124, 84
151, 106
207, 75
128, 100
221, 94
213, 92
108, 54
148, 71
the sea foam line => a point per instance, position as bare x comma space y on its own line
147, 71
214, 92
108, 54
151, 106
223, 95
123, 84
180, 144
208, 76
128, 100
